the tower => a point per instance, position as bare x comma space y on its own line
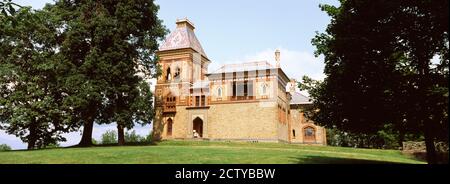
183, 62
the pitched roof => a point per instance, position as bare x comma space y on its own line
183, 37
298, 98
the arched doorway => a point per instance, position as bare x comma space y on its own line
169, 127
309, 134
197, 127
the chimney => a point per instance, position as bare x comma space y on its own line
277, 58
293, 85
185, 23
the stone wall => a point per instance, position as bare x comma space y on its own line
419, 146
243, 121
418, 150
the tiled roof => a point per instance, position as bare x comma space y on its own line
182, 37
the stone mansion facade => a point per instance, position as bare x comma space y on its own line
243, 102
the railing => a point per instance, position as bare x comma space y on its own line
169, 107
235, 98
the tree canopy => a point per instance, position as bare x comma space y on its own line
76, 63
378, 68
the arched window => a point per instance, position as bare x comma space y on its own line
293, 133
168, 74
264, 89
219, 92
177, 73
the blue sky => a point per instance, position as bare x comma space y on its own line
235, 31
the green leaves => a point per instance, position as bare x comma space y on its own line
74, 62
377, 63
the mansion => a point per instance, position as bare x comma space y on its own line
252, 101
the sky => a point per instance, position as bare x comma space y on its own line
236, 31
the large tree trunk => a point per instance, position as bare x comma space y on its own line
429, 143
86, 139
31, 142
120, 134
424, 85
32, 137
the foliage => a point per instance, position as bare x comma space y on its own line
377, 63
132, 137
95, 142
32, 105
7, 7
75, 63
108, 43
4, 147
54, 145
109, 137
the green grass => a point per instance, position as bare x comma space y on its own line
200, 152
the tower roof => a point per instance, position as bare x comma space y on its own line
183, 37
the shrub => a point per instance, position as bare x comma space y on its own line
109, 137
94, 141
53, 145
132, 137
4, 147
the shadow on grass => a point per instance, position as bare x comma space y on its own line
115, 144
153, 143
336, 160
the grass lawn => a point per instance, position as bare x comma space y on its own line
200, 152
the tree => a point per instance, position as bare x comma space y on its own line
132, 137
4, 147
31, 105
109, 137
107, 43
377, 63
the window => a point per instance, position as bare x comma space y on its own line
203, 99
264, 88
197, 101
219, 92
168, 74
170, 99
177, 73
293, 133
243, 90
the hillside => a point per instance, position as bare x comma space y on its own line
199, 152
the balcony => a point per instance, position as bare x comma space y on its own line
238, 98
169, 107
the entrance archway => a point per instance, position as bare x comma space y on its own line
169, 127
309, 134
197, 126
